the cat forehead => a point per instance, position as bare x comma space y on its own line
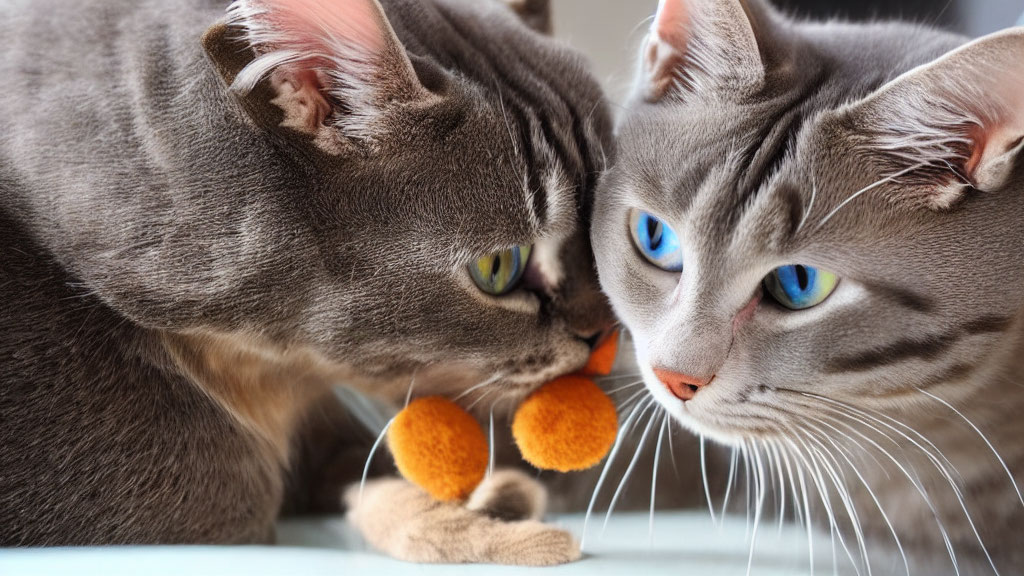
825, 67
676, 159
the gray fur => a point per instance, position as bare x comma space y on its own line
161, 235
759, 174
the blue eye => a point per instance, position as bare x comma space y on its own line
658, 242
800, 287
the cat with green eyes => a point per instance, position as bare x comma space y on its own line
209, 219
813, 232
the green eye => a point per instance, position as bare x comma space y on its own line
498, 274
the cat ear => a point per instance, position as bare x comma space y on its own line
535, 13
699, 45
953, 124
328, 63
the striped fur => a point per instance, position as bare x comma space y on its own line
889, 154
314, 223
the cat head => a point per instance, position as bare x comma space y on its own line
442, 155
805, 211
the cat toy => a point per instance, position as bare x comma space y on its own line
566, 425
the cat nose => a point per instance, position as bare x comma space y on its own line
681, 386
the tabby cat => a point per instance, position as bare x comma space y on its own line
815, 233
208, 218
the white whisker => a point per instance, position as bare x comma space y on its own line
810, 461
878, 504
777, 458
807, 521
654, 474
704, 475
918, 485
983, 437
412, 383
629, 469
607, 466
479, 400
729, 482
626, 387
747, 484
490, 445
868, 188
760, 490
472, 389
831, 467
369, 459
672, 448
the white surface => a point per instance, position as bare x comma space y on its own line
683, 544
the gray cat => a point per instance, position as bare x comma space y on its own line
206, 220
814, 232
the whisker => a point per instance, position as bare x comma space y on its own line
866, 189
629, 468
729, 482
807, 512
810, 207
852, 440
932, 457
878, 504
654, 474
412, 382
759, 479
476, 387
607, 466
604, 379
797, 506
490, 445
479, 400
643, 413
777, 457
704, 475
921, 490
810, 461
671, 447
747, 482
625, 403
831, 466
626, 387
369, 459
983, 437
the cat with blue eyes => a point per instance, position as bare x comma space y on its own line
814, 233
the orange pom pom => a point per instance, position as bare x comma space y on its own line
439, 447
602, 359
569, 424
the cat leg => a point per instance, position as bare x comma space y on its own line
402, 521
329, 452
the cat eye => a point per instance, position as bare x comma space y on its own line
800, 287
656, 241
499, 273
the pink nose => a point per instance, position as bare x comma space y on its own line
680, 385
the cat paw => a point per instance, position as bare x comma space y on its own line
402, 521
531, 543
509, 495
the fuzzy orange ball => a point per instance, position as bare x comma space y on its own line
569, 424
439, 447
602, 359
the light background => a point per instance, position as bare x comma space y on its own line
609, 31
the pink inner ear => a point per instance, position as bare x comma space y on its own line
672, 23
313, 26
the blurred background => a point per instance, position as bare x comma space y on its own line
610, 30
